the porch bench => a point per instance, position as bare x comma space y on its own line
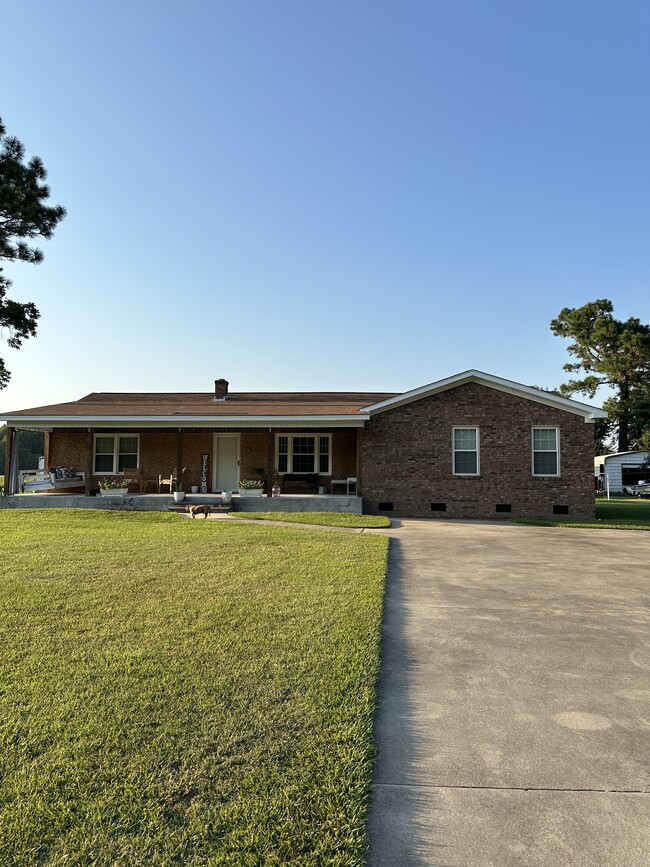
350, 481
47, 482
301, 483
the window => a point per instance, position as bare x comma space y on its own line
324, 454
546, 451
304, 453
116, 452
465, 446
282, 462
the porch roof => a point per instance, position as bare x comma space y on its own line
202, 410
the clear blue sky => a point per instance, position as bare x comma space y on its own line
325, 195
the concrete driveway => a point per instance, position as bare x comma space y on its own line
514, 698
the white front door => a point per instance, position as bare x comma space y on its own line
226, 462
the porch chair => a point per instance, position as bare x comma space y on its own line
135, 474
153, 483
169, 482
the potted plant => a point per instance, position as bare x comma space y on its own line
179, 493
114, 486
253, 487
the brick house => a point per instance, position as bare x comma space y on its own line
472, 445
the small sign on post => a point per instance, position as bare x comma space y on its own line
204, 473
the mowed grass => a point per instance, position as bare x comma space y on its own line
619, 513
184, 692
322, 519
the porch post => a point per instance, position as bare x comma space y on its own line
46, 450
9, 447
89, 461
179, 459
270, 455
359, 459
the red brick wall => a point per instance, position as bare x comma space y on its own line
254, 452
195, 445
67, 449
158, 454
344, 454
407, 457
159, 450
254, 448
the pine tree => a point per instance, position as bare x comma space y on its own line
23, 216
610, 353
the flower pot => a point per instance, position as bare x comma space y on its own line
179, 496
250, 492
113, 492
195, 489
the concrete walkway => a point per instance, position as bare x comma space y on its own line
514, 700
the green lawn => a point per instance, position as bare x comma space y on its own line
184, 692
323, 519
619, 513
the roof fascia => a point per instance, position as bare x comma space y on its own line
622, 454
588, 412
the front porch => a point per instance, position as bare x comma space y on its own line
321, 462
165, 502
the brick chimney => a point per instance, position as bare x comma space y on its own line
220, 389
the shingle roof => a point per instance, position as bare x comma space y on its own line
337, 406
106, 405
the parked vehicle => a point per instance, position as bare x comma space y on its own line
640, 490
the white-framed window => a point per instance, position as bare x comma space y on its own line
465, 448
546, 451
304, 453
113, 453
